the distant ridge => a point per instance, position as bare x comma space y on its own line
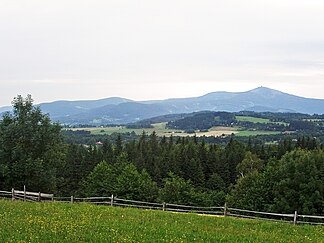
117, 110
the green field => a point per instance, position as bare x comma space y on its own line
161, 130
252, 119
248, 133
258, 120
59, 222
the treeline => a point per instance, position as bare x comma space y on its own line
279, 177
294, 182
203, 121
87, 138
277, 121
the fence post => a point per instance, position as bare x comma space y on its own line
12, 194
225, 210
39, 196
112, 200
295, 218
24, 193
72, 199
163, 206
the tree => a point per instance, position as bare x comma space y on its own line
176, 190
233, 155
216, 183
118, 146
250, 163
31, 147
295, 182
101, 181
131, 184
74, 171
300, 182
180, 191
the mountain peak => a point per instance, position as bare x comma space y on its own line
264, 91
117, 110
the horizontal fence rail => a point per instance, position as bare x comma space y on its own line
318, 220
114, 201
194, 209
260, 215
5, 194
27, 196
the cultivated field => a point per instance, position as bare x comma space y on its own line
59, 222
161, 130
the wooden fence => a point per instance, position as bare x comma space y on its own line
114, 201
27, 196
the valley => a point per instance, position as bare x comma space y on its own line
161, 130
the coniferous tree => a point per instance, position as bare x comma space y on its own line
118, 146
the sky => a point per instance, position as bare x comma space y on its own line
144, 49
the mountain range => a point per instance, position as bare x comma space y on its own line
117, 110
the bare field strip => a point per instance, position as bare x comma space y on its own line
160, 129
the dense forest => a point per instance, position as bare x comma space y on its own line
251, 174
269, 121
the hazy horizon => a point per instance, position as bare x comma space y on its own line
85, 99
144, 50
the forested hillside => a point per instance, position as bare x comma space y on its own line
117, 110
279, 177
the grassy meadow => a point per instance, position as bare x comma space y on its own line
247, 133
59, 222
252, 119
258, 120
161, 130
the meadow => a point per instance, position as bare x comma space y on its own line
247, 133
162, 130
59, 222
159, 128
252, 119
258, 120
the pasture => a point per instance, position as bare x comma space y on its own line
161, 130
247, 133
252, 119
63, 222
258, 120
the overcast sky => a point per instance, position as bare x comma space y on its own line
152, 49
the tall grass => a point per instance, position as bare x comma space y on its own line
58, 222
